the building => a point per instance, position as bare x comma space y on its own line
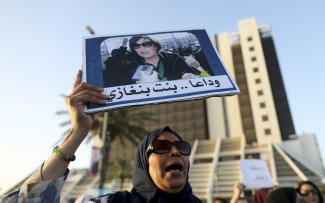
261, 112
256, 124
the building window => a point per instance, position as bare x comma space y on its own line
253, 58
258, 81
255, 70
262, 105
260, 92
249, 39
251, 48
267, 131
265, 118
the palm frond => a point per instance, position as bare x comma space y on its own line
65, 123
61, 112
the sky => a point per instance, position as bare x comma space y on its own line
41, 52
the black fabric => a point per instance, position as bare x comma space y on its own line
121, 196
119, 68
144, 190
175, 66
282, 195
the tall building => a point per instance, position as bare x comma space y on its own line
261, 112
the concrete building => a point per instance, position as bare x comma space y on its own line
261, 112
255, 124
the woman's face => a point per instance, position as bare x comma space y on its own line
146, 49
169, 171
311, 193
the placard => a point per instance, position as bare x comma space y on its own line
150, 68
255, 174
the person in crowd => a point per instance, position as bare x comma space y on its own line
119, 67
161, 161
309, 192
219, 200
237, 194
242, 200
284, 195
166, 66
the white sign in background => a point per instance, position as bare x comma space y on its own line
255, 174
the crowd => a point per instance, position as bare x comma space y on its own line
305, 192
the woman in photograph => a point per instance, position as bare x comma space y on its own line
163, 66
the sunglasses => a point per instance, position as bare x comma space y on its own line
143, 44
164, 146
305, 193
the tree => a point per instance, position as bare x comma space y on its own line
122, 169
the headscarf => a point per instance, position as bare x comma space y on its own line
308, 182
283, 195
144, 189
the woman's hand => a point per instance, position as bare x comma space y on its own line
187, 76
83, 93
238, 190
148, 76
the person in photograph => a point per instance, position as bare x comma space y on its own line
165, 66
309, 192
196, 59
119, 67
161, 161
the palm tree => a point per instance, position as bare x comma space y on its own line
122, 168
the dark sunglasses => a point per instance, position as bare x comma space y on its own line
305, 193
164, 146
143, 44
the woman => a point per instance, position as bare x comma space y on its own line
166, 66
160, 174
309, 192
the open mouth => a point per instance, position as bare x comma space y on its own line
174, 166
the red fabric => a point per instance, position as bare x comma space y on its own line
261, 195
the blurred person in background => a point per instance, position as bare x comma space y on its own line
309, 192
